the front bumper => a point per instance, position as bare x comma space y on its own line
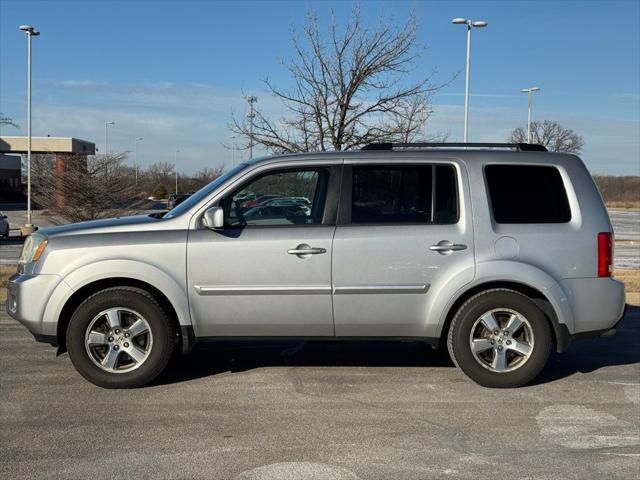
27, 300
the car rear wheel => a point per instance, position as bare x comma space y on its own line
500, 338
120, 338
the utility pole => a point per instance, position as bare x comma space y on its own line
530, 92
175, 166
233, 150
31, 32
470, 24
106, 137
135, 157
251, 99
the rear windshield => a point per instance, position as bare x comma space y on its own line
527, 194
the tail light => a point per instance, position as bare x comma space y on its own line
605, 254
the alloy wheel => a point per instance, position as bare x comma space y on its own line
118, 340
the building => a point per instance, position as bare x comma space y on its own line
10, 168
62, 147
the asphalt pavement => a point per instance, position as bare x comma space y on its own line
322, 411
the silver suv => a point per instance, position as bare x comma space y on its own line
500, 252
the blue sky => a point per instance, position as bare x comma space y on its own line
173, 71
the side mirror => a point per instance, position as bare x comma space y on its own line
213, 218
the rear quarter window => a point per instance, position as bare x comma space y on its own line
527, 194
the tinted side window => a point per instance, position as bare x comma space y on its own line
527, 194
403, 194
446, 197
279, 198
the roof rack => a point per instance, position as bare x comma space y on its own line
521, 147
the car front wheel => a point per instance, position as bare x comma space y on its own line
120, 338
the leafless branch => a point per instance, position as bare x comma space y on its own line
550, 134
350, 88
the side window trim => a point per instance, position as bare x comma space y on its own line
433, 193
344, 207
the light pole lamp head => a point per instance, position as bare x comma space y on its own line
469, 23
29, 30
139, 138
529, 90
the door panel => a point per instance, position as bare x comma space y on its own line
383, 276
268, 272
385, 273
243, 282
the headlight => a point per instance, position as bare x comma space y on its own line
32, 250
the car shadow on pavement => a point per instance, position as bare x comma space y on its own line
590, 354
586, 355
219, 357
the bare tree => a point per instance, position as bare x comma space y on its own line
7, 121
157, 179
349, 89
160, 172
201, 178
89, 187
550, 134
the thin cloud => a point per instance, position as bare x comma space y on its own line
79, 83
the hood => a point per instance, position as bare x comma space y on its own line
118, 224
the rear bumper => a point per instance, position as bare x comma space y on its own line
565, 337
597, 303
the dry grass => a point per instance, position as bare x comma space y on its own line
631, 279
619, 191
623, 205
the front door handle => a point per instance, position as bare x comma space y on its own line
303, 250
445, 246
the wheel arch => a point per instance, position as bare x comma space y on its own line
561, 337
84, 292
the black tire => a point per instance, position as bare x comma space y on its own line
458, 340
160, 326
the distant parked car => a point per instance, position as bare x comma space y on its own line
176, 199
246, 197
258, 201
263, 214
286, 201
4, 225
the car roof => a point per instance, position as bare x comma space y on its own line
458, 153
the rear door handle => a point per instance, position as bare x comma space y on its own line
304, 250
447, 246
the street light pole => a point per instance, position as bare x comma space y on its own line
529, 91
175, 166
106, 137
233, 150
135, 157
469, 24
31, 32
251, 99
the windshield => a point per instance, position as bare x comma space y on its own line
203, 192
